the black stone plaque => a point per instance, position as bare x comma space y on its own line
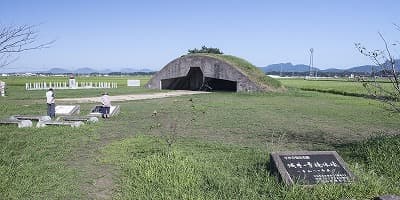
310, 167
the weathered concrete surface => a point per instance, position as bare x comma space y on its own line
19, 123
39, 118
211, 67
89, 119
62, 110
56, 123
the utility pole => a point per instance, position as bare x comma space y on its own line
311, 61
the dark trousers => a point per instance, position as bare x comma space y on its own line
51, 110
105, 112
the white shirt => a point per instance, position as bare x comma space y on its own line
50, 97
105, 100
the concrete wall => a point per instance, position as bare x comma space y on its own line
211, 67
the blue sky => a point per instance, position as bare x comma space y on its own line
150, 33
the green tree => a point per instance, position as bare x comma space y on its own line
205, 49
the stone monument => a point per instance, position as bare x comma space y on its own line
310, 167
72, 82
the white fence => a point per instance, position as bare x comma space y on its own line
64, 85
2, 88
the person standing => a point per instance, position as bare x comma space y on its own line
105, 100
50, 100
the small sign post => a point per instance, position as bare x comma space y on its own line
310, 167
135, 83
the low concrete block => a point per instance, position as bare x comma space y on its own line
19, 123
55, 123
89, 119
93, 119
25, 124
67, 110
39, 118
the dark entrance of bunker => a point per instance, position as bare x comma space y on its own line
195, 80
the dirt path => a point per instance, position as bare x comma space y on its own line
132, 97
99, 176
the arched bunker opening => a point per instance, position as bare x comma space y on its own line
195, 80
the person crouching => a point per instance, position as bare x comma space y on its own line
105, 100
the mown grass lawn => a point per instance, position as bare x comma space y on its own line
349, 87
209, 146
16, 87
221, 133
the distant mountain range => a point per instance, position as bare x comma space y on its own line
87, 70
131, 70
286, 67
280, 67
289, 67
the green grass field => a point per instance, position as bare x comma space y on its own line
209, 146
16, 87
336, 86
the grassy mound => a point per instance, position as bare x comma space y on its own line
254, 74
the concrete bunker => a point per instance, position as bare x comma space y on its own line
211, 72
